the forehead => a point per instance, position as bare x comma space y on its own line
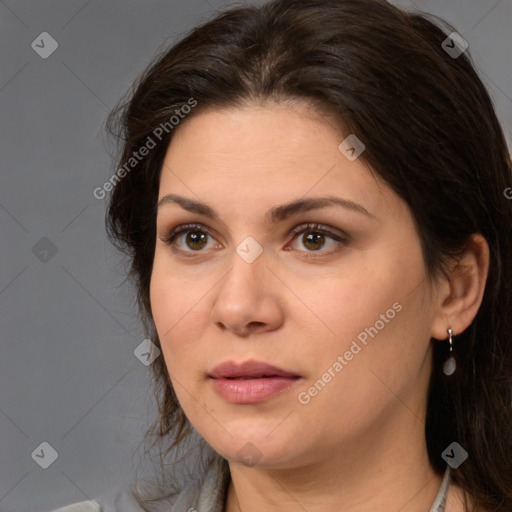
266, 155
277, 130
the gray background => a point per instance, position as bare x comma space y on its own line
69, 376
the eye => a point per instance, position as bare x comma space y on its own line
315, 236
196, 237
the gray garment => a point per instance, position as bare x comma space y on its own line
207, 494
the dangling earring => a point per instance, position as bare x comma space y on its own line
450, 364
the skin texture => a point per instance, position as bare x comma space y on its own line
359, 443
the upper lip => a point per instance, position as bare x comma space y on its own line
248, 369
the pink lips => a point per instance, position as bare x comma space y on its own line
250, 382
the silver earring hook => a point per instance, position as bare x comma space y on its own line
450, 365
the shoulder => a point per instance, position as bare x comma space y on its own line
82, 506
117, 501
206, 493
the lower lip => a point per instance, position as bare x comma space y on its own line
250, 391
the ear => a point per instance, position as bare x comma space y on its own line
461, 295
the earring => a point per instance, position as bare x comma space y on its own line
450, 364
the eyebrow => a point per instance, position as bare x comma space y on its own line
275, 214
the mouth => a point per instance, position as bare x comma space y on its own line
250, 382
253, 389
247, 377
249, 370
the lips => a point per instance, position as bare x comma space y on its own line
251, 382
249, 370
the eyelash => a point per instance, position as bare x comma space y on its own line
303, 228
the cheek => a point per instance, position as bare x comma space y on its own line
378, 322
342, 306
180, 319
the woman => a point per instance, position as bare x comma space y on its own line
313, 197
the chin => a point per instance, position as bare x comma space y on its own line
258, 450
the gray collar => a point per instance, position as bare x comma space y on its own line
209, 493
440, 501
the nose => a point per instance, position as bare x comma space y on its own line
249, 298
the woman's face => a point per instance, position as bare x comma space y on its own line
344, 305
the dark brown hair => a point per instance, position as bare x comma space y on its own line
430, 132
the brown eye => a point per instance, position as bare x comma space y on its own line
316, 236
313, 241
194, 237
